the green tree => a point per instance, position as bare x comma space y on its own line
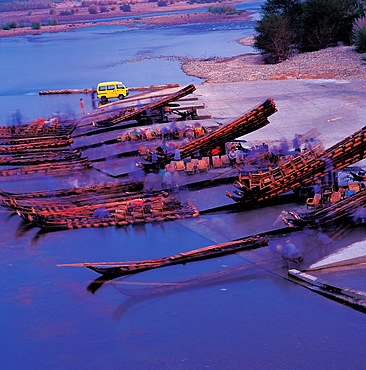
307, 25
325, 22
274, 38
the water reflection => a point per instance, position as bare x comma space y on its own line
157, 290
312, 244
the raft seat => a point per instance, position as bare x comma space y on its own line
190, 168
354, 186
202, 165
254, 180
314, 202
216, 161
179, 166
170, 167
225, 161
335, 196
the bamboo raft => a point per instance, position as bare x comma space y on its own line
37, 129
116, 269
77, 196
300, 171
249, 122
345, 295
56, 168
35, 158
72, 206
342, 212
34, 144
137, 113
141, 210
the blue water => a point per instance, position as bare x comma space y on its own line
251, 319
82, 58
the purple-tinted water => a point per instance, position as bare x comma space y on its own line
246, 317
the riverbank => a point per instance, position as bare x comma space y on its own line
340, 63
142, 14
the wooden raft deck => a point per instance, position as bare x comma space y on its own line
302, 170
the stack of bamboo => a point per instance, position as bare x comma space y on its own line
119, 213
343, 211
251, 121
129, 114
303, 170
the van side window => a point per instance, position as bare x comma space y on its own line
119, 86
110, 87
101, 88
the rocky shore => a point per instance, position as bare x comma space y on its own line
340, 62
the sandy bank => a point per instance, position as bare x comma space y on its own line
341, 63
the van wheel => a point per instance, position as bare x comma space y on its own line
104, 100
121, 97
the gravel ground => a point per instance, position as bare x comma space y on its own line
340, 63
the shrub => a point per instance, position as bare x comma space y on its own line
52, 22
359, 35
162, 3
312, 24
321, 23
104, 9
224, 9
9, 25
93, 9
274, 38
35, 25
67, 12
125, 7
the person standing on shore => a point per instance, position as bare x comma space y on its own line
82, 107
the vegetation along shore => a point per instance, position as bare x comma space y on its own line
336, 57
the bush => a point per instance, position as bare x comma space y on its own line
52, 22
9, 25
162, 3
359, 35
125, 7
35, 25
306, 25
225, 9
274, 38
323, 23
93, 9
67, 12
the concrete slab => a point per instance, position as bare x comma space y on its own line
336, 108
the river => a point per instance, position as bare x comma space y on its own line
83, 57
249, 319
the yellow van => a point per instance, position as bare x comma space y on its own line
111, 89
